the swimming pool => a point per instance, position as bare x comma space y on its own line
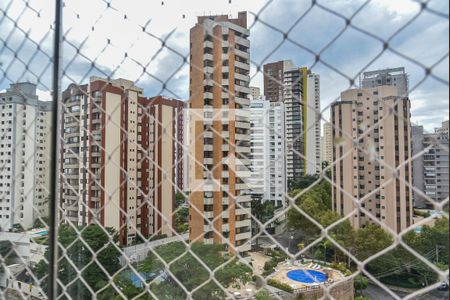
307, 276
137, 281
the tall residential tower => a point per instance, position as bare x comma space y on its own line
25, 131
396, 77
430, 167
119, 158
220, 145
268, 168
372, 152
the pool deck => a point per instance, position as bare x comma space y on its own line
283, 268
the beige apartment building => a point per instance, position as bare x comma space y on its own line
112, 147
220, 147
327, 143
372, 148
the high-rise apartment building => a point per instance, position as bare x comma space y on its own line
119, 158
274, 79
443, 130
372, 152
165, 161
311, 121
268, 168
220, 147
25, 156
417, 145
255, 92
302, 116
430, 167
396, 77
327, 143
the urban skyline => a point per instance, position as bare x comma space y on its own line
391, 15
256, 176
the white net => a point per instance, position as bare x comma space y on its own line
174, 177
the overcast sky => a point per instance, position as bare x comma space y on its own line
110, 41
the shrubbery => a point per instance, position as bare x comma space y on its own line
276, 258
279, 285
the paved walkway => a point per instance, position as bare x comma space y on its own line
258, 261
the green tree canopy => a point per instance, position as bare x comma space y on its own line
80, 252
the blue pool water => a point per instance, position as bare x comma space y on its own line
137, 282
307, 276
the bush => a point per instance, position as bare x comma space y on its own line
342, 268
279, 285
270, 265
262, 295
420, 213
361, 298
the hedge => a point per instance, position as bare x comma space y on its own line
279, 285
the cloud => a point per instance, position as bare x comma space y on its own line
44, 95
124, 39
423, 38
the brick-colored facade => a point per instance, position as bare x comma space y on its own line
116, 138
219, 77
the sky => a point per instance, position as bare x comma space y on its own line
147, 41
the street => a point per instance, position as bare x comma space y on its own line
374, 292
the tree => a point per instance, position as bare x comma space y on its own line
187, 269
360, 283
7, 253
432, 239
370, 240
263, 210
234, 272
80, 253
316, 203
41, 222
303, 182
182, 214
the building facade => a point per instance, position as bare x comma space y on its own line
327, 143
268, 168
312, 122
220, 148
25, 156
372, 152
255, 92
165, 161
417, 145
430, 165
396, 77
274, 79
113, 144
302, 116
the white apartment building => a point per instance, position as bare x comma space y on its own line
268, 164
255, 92
25, 130
430, 168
